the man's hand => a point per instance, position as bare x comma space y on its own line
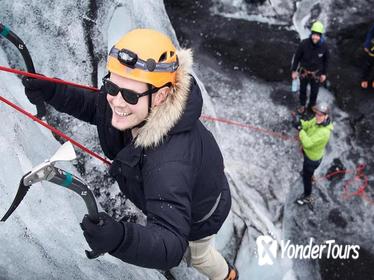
366, 50
322, 78
105, 236
294, 75
38, 91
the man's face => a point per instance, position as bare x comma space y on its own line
316, 38
320, 117
126, 116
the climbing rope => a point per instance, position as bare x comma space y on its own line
348, 188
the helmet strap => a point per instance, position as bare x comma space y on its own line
149, 86
149, 98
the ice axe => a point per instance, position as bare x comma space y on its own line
46, 171
21, 46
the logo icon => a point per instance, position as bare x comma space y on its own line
267, 250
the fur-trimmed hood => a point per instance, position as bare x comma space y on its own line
180, 110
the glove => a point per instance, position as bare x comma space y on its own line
296, 123
105, 236
38, 91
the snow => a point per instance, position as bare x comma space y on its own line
304, 16
277, 12
271, 12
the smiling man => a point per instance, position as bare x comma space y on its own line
164, 159
314, 136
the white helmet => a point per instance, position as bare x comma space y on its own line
322, 107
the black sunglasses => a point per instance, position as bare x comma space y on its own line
128, 95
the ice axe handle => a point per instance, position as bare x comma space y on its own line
67, 180
92, 254
73, 183
41, 110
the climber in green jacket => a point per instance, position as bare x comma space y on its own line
314, 136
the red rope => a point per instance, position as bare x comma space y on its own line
360, 176
271, 133
51, 128
45, 78
281, 136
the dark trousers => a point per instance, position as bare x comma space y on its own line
309, 167
314, 87
368, 65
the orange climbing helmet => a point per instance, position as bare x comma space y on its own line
145, 55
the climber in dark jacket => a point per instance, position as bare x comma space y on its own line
310, 62
164, 159
369, 58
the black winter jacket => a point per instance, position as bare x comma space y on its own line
312, 57
172, 171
